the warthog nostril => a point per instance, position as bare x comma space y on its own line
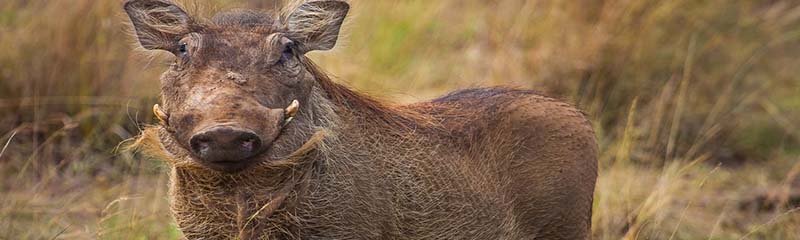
225, 145
200, 144
247, 142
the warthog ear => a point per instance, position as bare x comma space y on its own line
159, 24
315, 24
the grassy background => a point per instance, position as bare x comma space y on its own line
696, 105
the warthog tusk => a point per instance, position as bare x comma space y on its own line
291, 111
163, 117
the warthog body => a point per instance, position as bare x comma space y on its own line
490, 163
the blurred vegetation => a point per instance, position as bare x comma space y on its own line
696, 104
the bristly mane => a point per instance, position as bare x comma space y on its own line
367, 107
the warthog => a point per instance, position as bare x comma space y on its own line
262, 144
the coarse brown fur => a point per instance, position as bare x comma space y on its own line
490, 163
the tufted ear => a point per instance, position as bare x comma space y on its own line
315, 24
159, 24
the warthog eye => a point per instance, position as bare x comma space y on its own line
288, 52
183, 49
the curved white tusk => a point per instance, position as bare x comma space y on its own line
163, 117
291, 111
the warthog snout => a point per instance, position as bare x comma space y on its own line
227, 133
225, 147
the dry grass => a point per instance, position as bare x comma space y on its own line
696, 105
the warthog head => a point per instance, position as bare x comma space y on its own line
237, 80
